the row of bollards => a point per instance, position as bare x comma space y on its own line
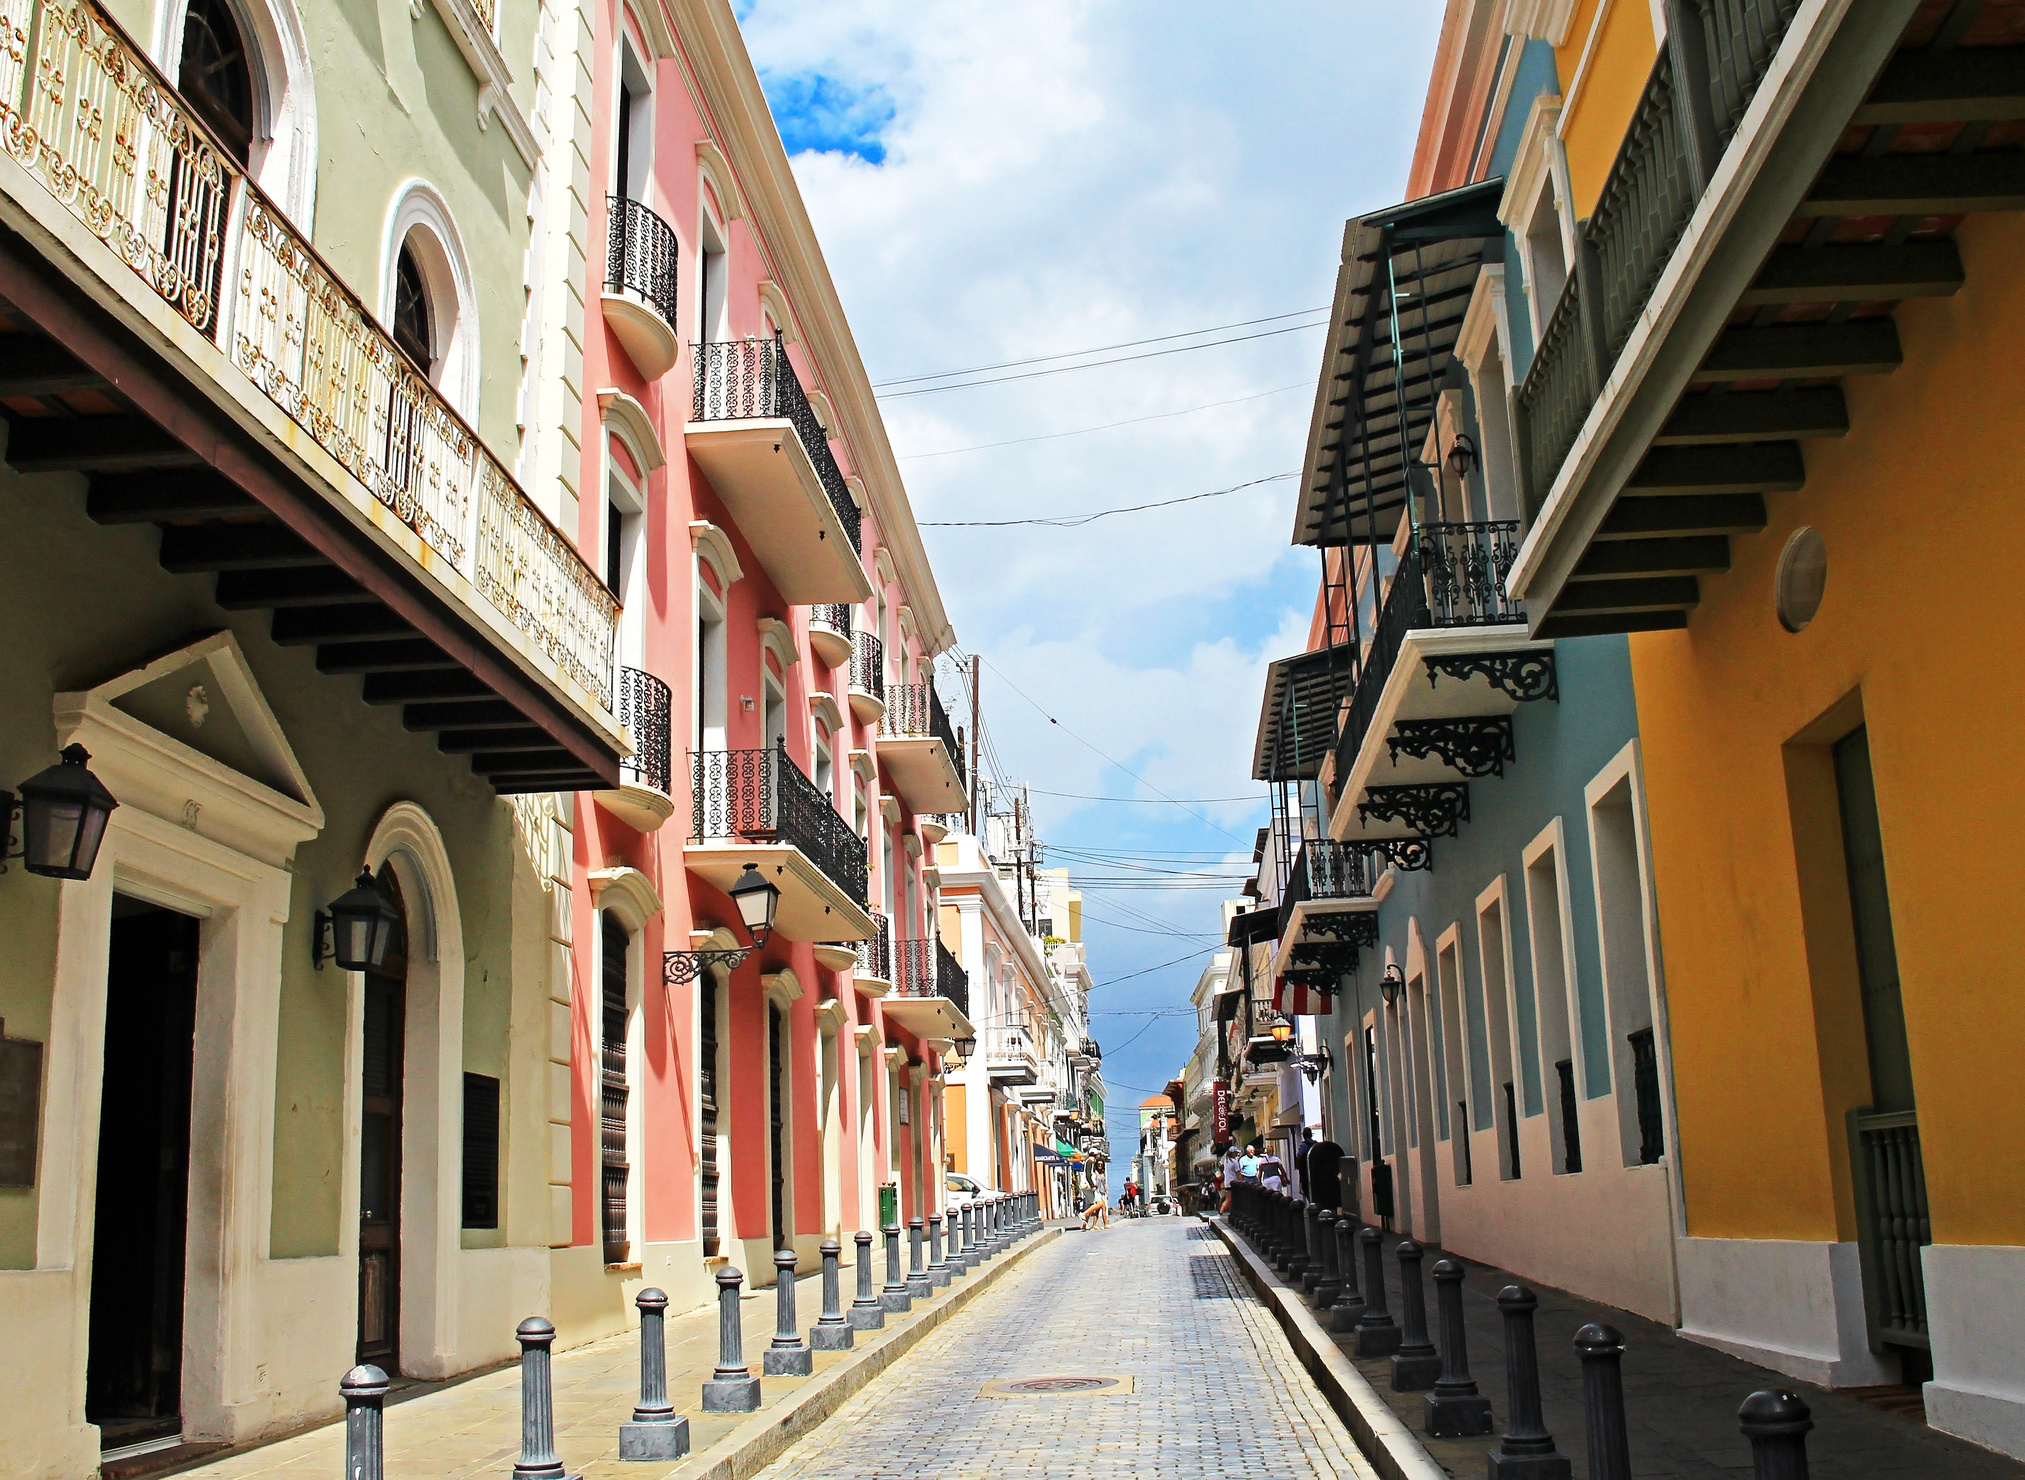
1317, 1250
941, 1247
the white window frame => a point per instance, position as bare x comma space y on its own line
1626, 770
1553, 839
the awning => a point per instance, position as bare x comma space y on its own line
1414, 267
1252, 927
1297, 717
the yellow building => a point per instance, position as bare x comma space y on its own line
1773, 431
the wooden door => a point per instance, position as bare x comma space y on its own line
706, 1077
776, 1131
384, 1056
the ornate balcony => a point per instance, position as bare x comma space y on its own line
639, 299
830, 633
756, 806
272, 430
642, 800
754, 434
868, 678
1327, 914
873, 971
931, 993
919, 750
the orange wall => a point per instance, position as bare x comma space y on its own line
1919, 508
1593, 123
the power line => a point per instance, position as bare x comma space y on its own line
1161, 967
1107, 426
1151, 354
1071, 354
1074, 521
1079, 796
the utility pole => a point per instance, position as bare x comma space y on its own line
974, 724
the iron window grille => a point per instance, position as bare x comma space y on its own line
832, 616
875, 956
868, 665
643, 710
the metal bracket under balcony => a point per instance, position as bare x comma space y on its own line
1473, 745
1435, 811
752, 431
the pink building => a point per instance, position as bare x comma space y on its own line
776, 651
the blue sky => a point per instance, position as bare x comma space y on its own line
993, 183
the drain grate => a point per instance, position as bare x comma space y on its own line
1058, 1387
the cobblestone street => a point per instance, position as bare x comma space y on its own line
1214, 1388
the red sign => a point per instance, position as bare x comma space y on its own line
1219, 1124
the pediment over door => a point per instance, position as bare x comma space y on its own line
190, 738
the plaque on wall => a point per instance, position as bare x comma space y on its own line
20, 1108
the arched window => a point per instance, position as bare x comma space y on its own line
216, 77
412, 329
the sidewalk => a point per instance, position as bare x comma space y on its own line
1681, 1397
471, 1426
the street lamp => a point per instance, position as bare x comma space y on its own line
965, 1046
63, 815
756, 901
358, 926
1281, 1030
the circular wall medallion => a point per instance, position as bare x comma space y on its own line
1801, 578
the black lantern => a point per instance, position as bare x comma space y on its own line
1462, 456
965, 1047
63, 816
1391, 985
756, 900
360, 923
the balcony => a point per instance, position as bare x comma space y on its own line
639, 299
919, 750
1431, 708
642, 799
868, 678
931, 996
268, 426
1009, 1058
1745, 256
1327, 914
830, 633
756, 806
754, 434
872, 973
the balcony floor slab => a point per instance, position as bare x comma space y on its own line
760, 470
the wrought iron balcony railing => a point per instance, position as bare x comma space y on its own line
875, 955
762, 795
868, 666
1325, 869
1678, 132
916, 709
832, 616
640, 255
927, 969
1452, 575
751, 380
117, 147
643, 710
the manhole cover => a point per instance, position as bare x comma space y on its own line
1057, 1387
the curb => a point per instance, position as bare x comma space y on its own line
761, 1439
1389, 1444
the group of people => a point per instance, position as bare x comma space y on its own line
1318, 1165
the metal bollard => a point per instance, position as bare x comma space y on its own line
1377, 1336
1330, 1285
1527, 1451
731, 1388
1602, 1351
985, 1250
1317, 1265
938, 1261
1776, 1422
831, 1333
1349, 1307
866, 1313
965, 1254
1416, 1365
1455, 1409
537, 1403
656, 1431
918, 1282
788, 1355
894, 1297
364, 1390
1297, 1239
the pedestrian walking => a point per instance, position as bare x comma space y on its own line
1097, 1212
1272, 1173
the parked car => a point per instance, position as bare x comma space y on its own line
962, 1189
